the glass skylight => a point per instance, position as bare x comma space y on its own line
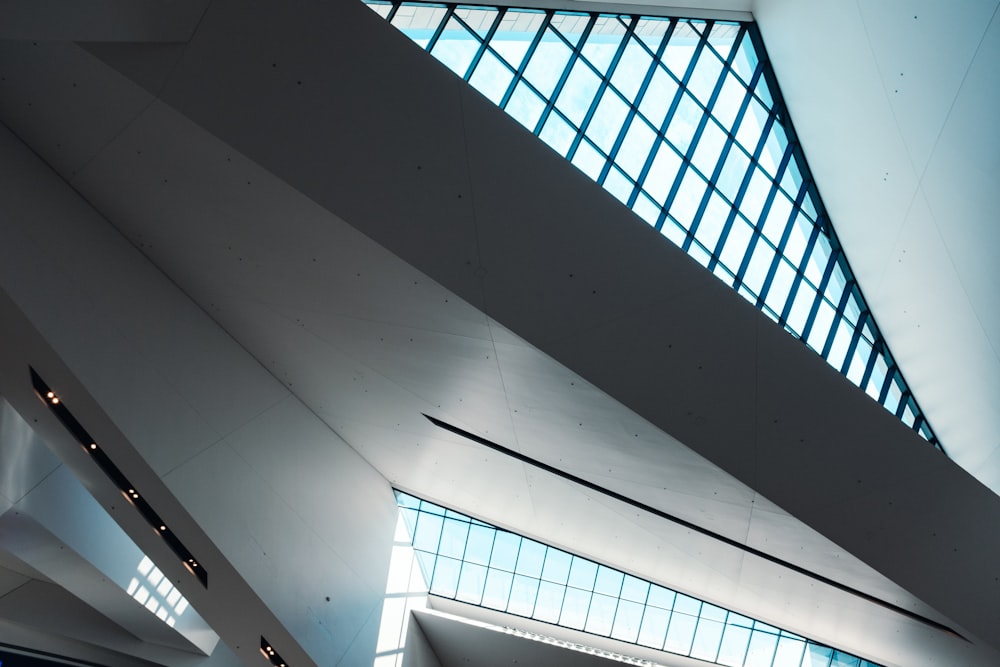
682, 121
470, 561
153, 590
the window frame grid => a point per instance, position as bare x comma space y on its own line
761, 88
754, 628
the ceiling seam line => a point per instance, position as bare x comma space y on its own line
695, 527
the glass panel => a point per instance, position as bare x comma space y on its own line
653, 630
789, 653
736, 245
556, 567
635, 148
781, 284
619, 185
525, 106
760, 264
589, 160
662, 173
680, 49
709, 149
445, 582
733, 172
603, 42
480, 544
627, 621
575, 607
656, 102
631, 69
530, 559
549, 603
453, 538
841, 659
761, 650
745, 61
558, 134
505, 548
428, 533
609, 581
634, 589
733, 648
776, 221
817, 656
688, 199
471, 583
705, 76
607, 121
680, 633
522, 595
456, 47
602, 614
547, 63
582, 573
578, 92
684, 122
706, 639
713, 219
491, 77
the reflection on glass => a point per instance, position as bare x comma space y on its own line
156, 593
687, 114
527, 578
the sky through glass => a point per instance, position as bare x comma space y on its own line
470, 561
681, 121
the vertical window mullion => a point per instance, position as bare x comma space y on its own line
573, 58
440, 28
528, 55
484, 46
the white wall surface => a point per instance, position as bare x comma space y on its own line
209, 426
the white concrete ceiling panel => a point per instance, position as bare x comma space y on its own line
307, 466
10, 580
100, 20
922, 51
900, 134
270, 543
946, 322
822, 57
310, 166
960, 188
24, 459
68, 115
92, 344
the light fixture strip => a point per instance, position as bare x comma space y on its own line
268, 652
117, 477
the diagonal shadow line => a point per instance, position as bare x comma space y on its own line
867, 597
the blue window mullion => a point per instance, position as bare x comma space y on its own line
573, 58
501, 12
840, 307
744, 185
685, 163
799, 278
598, 96
855, 339
440, 28
820, 292
528, 55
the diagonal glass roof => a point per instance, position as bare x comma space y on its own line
682, 121
470, 561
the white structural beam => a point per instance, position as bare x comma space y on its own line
196, 425
100, 20
378, 241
